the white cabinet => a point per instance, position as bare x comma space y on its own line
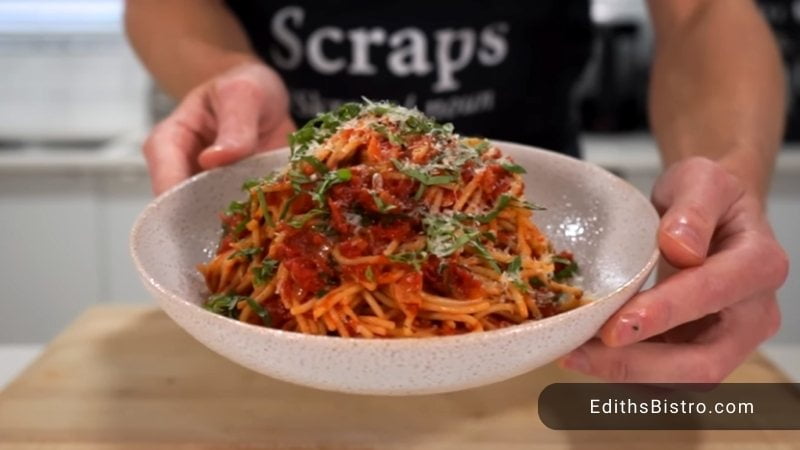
121, 198
48, 238
784, 214
64, 242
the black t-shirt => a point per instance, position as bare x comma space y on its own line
501, 69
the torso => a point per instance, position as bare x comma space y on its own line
503, 69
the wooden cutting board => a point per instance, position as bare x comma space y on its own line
127, 377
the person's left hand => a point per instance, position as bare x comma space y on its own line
700, 323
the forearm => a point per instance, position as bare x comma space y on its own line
717, 88
185, 42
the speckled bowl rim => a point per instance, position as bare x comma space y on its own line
338, 341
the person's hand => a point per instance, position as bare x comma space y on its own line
228, 118
701, 322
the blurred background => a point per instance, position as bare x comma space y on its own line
75, 106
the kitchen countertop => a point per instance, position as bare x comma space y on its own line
14, 358
128, 377
119, 155
630, 151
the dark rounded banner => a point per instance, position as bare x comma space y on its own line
618, 406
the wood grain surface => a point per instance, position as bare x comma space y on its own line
127, 377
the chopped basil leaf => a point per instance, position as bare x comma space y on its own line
420, 191
369, 275
240, 227
445, 234
344, 175
330, 179
297, 179
266, 319
347, 112
528, 205
570, 269
536, 282
262, 203
482, 147
245, 253
299, 140
314, 162
235, 207
300, 220
391, 137
320, 128
264, 272
251, 183
454, 160
417, 125
513, 273
424, 178
502, 203
272, 177
484, 254
286, 206
379, 110
238, 208
414, 259
423, 125
224, 304
380, 204
513, 168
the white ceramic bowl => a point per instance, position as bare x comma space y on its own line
604, 221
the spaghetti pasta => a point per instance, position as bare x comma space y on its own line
387, 224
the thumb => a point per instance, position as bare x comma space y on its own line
237, 106
694, 196
684, 241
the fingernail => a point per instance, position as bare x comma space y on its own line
215, 148
687, 237
577, 360
628, 329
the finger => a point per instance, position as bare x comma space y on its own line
277, 138
173, 145
237, 105
741, 329
752, 264
693, 195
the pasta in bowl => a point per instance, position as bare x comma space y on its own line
387, 224
392, 256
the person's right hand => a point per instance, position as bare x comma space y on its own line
225, 119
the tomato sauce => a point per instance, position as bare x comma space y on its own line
451, 280
495, 181
306, 256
